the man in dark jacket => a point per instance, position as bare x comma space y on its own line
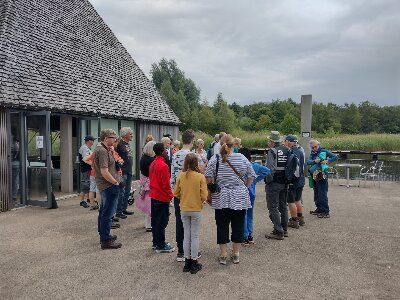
295, 190
276, 188
125, 151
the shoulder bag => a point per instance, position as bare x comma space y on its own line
213, 187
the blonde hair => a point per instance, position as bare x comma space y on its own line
237, 141
226, 147
148, 149
149, 138
177, 143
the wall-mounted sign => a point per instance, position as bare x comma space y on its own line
39, 142
306, 134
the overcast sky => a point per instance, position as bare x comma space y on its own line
259, 50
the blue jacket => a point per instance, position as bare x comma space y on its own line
299, 151
314, 155
261, 172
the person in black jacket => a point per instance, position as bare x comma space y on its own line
276, 187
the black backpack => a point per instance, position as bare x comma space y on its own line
210, 151
292, 168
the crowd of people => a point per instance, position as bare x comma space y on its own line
187, 178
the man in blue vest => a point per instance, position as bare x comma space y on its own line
276, 187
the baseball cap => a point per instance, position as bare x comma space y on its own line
292, 138
89, 138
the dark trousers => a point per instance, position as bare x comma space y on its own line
277, 205
179, 226
159, 221
226, 216
321, 195
125, 190
109, 198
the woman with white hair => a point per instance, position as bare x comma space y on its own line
177, 145
201, 153
144, 201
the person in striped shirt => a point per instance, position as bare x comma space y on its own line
232, 201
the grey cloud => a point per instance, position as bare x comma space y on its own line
339, 51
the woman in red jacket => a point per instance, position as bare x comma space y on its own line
160, 194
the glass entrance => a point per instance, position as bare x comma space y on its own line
38, 154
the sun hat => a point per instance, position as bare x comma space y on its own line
274, 136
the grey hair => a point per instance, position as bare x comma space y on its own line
216, 137
200, 141
148, 149
314, 142
165, 139
106, 133
125, 130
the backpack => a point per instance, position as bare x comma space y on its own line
292, 168
210, 151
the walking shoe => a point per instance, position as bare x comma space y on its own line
148, 230
235, 258
112, 238
285, 233
115, 226
251, 240
84, 204
301, 221
121, 216
188, 264
275, 235
293, 223
128, 213
323, 215
180, 257
166, 249
314, 212
195, 267
222, 260
109, 244
115, 219
94, 207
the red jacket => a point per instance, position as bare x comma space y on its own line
160, 187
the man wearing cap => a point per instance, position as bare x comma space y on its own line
107, 181
85, 151
276, 187
296, 187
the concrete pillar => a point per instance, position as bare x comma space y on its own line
306, 117
66, 163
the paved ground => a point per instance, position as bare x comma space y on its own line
55, 254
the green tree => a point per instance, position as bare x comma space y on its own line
223, 115
176, 101
369, 113
263, 123
290, 124
350, 118
207, 118
247, 123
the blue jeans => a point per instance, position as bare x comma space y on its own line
321, 196
108, 199
277, 205
124, 191
159, 221
248, 220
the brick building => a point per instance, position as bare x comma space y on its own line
63, 75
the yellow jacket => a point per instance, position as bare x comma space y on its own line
191, 189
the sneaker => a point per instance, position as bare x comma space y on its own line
121, 216
128, 213
115, 219
276, 235
301, 221
166, 249
84, 204
314, 212
188, 264
195, 267
112, 238
235, 258
180, 257
222, 260
94, 207
293, 223
246, 243
285, 233
251, 240
323, 215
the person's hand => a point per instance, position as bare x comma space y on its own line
324, 162
209, 200
317, 161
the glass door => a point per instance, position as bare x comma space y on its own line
38, 159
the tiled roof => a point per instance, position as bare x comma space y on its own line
60, 56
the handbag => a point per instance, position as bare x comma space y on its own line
213, 187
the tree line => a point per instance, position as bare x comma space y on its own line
184, 98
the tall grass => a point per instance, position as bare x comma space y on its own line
363, 142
